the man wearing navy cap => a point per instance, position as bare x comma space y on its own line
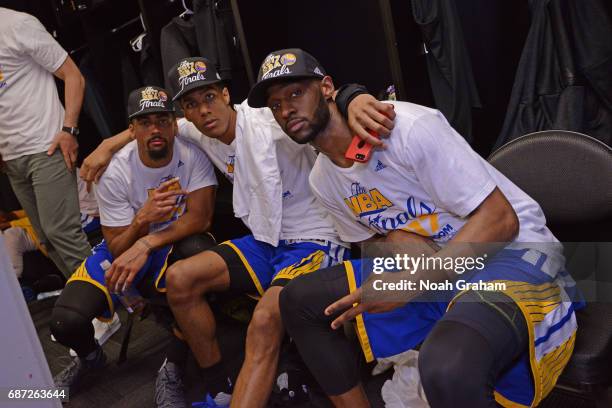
157, 192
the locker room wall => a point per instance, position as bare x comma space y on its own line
344, 35
348, 39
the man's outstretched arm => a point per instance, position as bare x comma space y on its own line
94, 165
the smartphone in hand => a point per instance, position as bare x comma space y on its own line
359, 150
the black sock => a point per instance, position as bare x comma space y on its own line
296, 381
177, 352
96, 358
216, 379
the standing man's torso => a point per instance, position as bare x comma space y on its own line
30, 110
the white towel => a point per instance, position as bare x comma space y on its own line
404, 389
258, 197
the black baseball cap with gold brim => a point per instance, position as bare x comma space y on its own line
282, 64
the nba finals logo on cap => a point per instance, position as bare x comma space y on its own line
277, 65
151, 97
199, 66
191, 71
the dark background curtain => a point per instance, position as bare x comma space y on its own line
347, 36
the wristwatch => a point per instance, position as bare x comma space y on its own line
74, 131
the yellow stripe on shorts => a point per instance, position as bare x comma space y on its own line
82, 275
362, 334
252, 273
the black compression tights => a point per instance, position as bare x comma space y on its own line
458, 363
326, 352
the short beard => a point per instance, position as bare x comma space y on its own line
157, 155
319, 122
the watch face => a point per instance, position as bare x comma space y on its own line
72, 130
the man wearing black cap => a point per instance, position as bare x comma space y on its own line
483, 344
299, 240
157, 192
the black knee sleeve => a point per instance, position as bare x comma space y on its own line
71, 318
327, 353
73, 329
466, 350
454, 365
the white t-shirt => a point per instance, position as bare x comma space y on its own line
302, 216
427, 181
88, 204
31, 113
272, 181
127, 183
221, 155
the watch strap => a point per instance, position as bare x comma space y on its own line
74, 131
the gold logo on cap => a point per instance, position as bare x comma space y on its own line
150, 93
186, 68
276, 65
272, 61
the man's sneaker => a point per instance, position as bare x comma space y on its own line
79, 368
45, 295
169, 388
290, 390
221, 400
102, 330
